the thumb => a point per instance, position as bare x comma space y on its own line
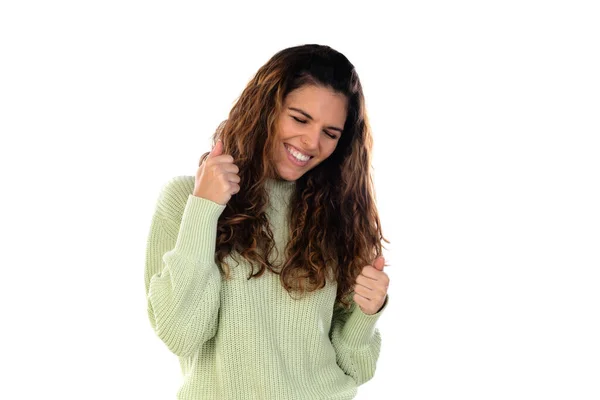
217, 150
379, 263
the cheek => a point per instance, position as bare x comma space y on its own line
285, 130
327, 148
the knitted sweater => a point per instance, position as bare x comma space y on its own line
247, 339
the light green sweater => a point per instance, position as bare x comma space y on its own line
247, 339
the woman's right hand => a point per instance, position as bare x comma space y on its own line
216, 177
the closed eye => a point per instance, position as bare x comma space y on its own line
304, 122
300, 120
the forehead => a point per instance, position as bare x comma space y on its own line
319, 102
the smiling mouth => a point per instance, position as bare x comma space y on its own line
293, 156
296, 150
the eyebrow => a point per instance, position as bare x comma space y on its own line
335, 128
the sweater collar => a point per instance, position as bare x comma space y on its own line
280, 189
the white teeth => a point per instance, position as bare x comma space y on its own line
299, 156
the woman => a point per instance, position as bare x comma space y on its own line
287, 190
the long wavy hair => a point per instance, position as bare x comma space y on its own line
334, 225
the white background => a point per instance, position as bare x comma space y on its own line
486, 124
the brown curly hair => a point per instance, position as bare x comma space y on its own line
333, 222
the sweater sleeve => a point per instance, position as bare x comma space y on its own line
357, 341
182, 280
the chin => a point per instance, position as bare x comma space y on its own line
288, 175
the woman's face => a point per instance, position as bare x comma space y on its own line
308, 129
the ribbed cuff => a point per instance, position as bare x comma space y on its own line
360, 327
198, 229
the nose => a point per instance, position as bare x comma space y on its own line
310, 140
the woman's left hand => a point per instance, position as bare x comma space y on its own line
371, 287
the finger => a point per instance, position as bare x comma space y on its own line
217, 150
360, 300
379, 263
364, 292
375, 286
231, 177
222, 159
229, 168
365, 281
234, 188
372, 272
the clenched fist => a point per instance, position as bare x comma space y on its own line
371, 287
216, 178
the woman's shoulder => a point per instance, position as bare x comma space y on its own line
173, 196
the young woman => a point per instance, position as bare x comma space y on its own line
263, 271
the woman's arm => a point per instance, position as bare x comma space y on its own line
182, 281
357, 341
